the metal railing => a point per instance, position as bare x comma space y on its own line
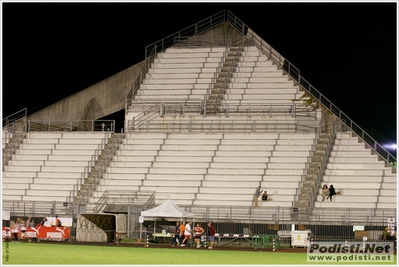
70, 126
10, 121
307, 164
230, 62
323, 166
224, 126
136, 85
215, 77
192, 30
124, 197
88, 169
233, 214
198, 107
202, 41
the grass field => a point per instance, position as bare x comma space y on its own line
54, 254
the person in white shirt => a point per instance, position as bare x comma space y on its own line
187, 234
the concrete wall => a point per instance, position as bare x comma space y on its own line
224, 29
101, 99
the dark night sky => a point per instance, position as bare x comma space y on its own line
347, 51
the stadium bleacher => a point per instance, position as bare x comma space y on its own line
220, 167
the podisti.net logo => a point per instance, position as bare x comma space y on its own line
377, 252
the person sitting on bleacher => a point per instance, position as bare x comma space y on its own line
264, 196
325, 191
332, 192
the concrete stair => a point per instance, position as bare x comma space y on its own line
96, 173
311, 179
225, 75
12, 146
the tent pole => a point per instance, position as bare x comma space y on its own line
155, 223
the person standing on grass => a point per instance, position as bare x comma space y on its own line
15, 229
182, 228
23, 226
176, 238
198, 232
211, 235
187, 234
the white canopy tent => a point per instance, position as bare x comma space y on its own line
167, 209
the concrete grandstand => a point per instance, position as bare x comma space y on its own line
209, 116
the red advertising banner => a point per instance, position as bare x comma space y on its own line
39, 232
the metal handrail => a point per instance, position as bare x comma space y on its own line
192, 30
136, 85
15, 117
225, 126
347, 216
198, 107
112, 148
124, 197
308, 162
87, 169
323, 166
201, 41
230, 70
214, 78
70, 125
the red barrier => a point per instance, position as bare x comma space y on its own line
58, 233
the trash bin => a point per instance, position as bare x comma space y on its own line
300, 238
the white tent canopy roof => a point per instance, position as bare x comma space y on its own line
167, 209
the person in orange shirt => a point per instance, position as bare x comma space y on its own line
182, 228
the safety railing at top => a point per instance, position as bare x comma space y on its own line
203, 41
192, 30
10, 121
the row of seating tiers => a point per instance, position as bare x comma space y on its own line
200, 167
205, 168
213, 169
256, 80
363, 180
187, 73
48, 164
181, 74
